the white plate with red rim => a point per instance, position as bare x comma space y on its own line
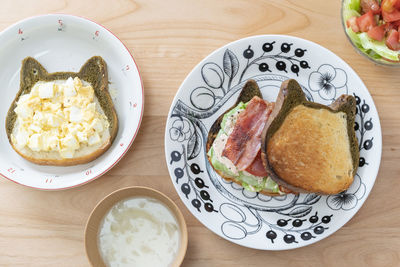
241, 216
64, 43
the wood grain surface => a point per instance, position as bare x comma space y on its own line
167, 39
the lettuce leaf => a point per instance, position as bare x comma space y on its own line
352, 5
351, 8
379, 48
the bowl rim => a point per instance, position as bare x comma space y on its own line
378, 62
103, 206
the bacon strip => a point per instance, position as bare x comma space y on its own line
256, 167
244, 142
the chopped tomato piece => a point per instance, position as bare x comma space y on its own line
352, 23
396, 24
391, 10
387, 6
366, 21
389, 26
373, 5
392, 41
377, 33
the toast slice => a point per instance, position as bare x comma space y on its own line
249, 91
94, 72
310, 147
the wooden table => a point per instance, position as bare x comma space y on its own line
167, 39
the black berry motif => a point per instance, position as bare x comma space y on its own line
178, 173
295, 69
304, 64
248, 53
195, 168
326, 219
288, 238
298, 223
192, 185
303, 229
368, 125
361, 162
185, 189
283, 61
204, 195
314, 218
299, 52
199, 182
358, 100
319, 230
285, 47
365, 108
368, 144
306, 236
282, 222
280, 65
362, 126
267, 47
196, 203
271, 235
263, 67
209, 207
175, 156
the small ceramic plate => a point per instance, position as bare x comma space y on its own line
64, 43
98, 213
241, 216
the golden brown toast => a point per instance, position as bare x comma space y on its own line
94, 71
310, 147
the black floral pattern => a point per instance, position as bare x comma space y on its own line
348, 199
327, 81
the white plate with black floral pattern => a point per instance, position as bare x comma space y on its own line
65, 43
247, 218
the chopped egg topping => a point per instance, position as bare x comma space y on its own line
59, 116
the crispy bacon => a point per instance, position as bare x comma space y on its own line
244, 142
256, 167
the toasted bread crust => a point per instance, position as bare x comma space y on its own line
94, 71
282, 160
66, 162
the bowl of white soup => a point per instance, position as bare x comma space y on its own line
136, 226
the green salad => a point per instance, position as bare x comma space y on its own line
373, 27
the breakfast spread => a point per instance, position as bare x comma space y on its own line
289, 146
139, 231
62, 118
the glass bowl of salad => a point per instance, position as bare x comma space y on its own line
373, 28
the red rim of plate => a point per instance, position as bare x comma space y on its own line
141, 109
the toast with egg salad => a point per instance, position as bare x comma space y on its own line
62, 118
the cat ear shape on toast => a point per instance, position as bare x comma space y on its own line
310, 147
94, 71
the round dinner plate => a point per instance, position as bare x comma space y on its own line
247, 218
65, 43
